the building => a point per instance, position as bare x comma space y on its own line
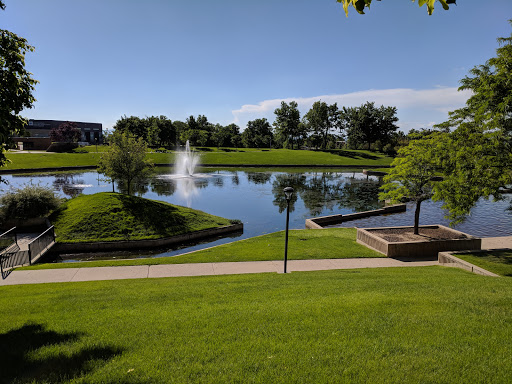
38, 134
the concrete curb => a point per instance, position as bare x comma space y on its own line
447, 259
140, 244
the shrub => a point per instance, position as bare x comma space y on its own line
28, 202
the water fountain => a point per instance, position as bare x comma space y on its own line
186, 162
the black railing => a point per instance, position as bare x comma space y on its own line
40, 243
9, 251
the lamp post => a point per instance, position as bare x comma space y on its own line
288, 192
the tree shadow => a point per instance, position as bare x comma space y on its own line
351, 154
17, 364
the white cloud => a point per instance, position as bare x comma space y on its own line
415, 108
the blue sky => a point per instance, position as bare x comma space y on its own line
235, 60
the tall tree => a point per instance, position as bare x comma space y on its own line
360, 5
481, 143
412, 173
321, 119
287, 123
367, 124
257, 134
125, 160
16, 86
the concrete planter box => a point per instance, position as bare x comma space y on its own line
320, 222
417, 249
142, 244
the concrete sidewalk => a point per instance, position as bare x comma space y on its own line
200, 269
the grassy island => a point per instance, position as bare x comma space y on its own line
113, 216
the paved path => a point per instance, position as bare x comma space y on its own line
200, 269
205, 269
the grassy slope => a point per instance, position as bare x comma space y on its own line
335, 243
397, 325
114, 216
499, 262
213, 157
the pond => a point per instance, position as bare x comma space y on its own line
255, 196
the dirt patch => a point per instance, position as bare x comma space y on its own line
394, 235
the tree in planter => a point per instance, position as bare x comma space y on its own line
125, 160
412, 173
67, 132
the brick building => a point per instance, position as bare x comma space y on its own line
39, 134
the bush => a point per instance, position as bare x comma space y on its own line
28, 202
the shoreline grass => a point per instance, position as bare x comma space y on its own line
211, 157
305, 244
429, 324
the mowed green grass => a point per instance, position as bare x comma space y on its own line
334, 243
213, 156
110, 216
499, 262
389, 325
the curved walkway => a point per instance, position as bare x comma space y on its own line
199, 269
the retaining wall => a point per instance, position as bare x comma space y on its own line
420, 248
320, 222
141, 244
447, 259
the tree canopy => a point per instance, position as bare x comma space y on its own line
67, 132
16, 86
360, 5
287, 123
367, 124
125, 161
481, 141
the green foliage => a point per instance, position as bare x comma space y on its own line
258, 134
321, 119
481, 144
287, 124
367, 124
126, 160
16, 86
412, 172
360, 5
29, 201
113, 216
155, 131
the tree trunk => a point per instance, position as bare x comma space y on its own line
417, 217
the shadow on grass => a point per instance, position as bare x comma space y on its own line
17, 364
352, 155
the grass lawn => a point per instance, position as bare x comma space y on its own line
334, 243
499, 262
110, 216
390, 325
211, 156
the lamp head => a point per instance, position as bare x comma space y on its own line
288, 191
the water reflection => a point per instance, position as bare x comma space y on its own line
257, 198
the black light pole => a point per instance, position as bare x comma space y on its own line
288, 191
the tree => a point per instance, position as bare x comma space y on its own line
133, 125
125, 160
322, 119
16, 86
481, 144
287, 123
257, 134
360, 5
412, 174
66, 132
367, 124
